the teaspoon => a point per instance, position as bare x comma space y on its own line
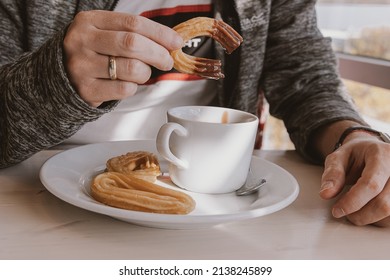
251, 185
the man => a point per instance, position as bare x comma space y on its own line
56, 85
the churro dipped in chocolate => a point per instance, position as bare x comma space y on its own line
203, 26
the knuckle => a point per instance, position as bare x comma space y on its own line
71, 41
81, 25
160, 32
121, 88
128, 41
165, 61
83, 16
332, 171
353, 207
132, 65
374, 150
138, 71
169, 62
332, 158
332, 166
131, 22
373, 186
146, 76
125, 89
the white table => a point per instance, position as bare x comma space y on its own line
37, 225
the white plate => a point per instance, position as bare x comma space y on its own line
68, 175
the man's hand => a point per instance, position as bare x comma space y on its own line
137, 43
363, 163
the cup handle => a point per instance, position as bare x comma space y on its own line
162, 142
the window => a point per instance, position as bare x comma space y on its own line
360, 32
357, 27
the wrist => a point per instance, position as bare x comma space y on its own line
324, 138
357, 131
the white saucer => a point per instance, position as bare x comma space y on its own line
68, 174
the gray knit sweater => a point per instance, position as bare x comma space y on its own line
283, 55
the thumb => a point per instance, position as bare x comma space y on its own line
333, 178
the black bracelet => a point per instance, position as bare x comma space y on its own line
383, 136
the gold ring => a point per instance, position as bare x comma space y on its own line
112, 68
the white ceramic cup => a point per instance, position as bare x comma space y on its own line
209, 148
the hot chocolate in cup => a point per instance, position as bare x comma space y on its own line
209, 148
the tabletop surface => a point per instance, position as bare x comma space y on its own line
37, 225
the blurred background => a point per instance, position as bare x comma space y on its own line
360, 32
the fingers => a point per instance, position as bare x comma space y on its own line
156, 32
136, 43
91, 80
376, 211
372, 181
367, 187
121, 34
131, 45
368, 199
96, 66
131, 70
97, 91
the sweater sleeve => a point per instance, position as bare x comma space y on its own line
301, 80
38, 106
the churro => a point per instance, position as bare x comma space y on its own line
203, 26
140, 164
128, 192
